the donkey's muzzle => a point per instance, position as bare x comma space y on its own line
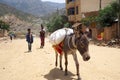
86, 58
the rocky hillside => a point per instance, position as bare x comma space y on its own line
19, 21
5, 9
20, 27
35, 7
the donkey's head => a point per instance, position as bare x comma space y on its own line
83, 47
82, 42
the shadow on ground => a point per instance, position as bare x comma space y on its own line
27, 51
57, 74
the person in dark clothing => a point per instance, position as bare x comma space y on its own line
11, 37
29, 39
42, 36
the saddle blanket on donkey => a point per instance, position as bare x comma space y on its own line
57, 37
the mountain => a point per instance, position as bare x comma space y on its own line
35, 7
5, 10
19, 21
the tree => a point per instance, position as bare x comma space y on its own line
57, 22
100, 5
106, 16
116, 7
67, 25
4, 26
88, 21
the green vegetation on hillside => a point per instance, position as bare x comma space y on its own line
4, 25
57, 22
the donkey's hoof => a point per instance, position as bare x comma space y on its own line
66, 74
79, 79
61, 68
56, 64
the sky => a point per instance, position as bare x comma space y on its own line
58, 1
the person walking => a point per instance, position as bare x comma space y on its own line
11, 36
29, 39
42, 36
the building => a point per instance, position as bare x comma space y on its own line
75, 9
78, 9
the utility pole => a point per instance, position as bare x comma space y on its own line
100, 5
57, 11
118, 15
119, 21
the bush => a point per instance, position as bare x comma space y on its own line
87, 21
106, 17
57, 22
4, 26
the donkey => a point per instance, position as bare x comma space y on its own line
72, 43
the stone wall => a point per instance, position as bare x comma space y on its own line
110, 32
107, 33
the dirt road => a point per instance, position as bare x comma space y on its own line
17, 64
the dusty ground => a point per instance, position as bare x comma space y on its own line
17, 64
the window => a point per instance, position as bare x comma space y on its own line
77, 12
71, 11
70, 1
67, 1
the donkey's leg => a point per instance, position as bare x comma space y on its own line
77, 65
61, 62
66, 64
56, 62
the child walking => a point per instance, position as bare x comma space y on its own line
29, 39
42, 36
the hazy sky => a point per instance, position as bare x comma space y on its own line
58, 1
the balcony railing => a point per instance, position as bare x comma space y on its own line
72, 18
